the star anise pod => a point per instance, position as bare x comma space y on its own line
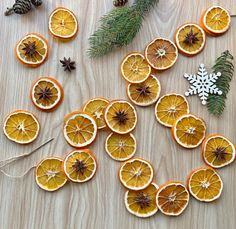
220, 153
79, 166
143, 90
67, 64
30, 48
45, 93
143, 200
121, 117
191, 38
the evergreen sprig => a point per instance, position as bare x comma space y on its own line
119, 27
223, 64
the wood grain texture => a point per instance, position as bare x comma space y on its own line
99, 203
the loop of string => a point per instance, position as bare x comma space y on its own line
14, 158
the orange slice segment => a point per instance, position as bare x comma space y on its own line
142, 203
32, 50
218, 151
80, 129
134, 68
205, 184
120, 116
161, 54
190, 39
63, 23
170, 107
136, 174
216, 20
47, 93
189, 131
21, 127
80, 166
120, 147
95, 107
172, 198
49, 174
145, 93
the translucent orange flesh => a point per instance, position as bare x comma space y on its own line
41, 50
120, 147
170, 108
63, 23
21, 127
136, 174
135, 204
219, 151
76, 174
172, 199
49, 174
205, 184
144, 93
190, 131
135, 68
191, 47
96, 109
161, 54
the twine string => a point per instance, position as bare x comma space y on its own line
20, 176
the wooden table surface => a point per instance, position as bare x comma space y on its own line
100, 202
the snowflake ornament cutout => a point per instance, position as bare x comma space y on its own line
203, 84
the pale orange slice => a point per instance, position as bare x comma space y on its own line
161, 53
120, 147
80, 165
172, 198
63, 23
205, 184
218, 151
32, 50
95, 107
49, 174
216, 20
145, 93
170, 107
142, 203
136, 174
47, 93
190, 39
189, 131
134, 68
120, 116
80, 129
21, 127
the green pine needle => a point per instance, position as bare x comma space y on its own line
223, 64
119, 27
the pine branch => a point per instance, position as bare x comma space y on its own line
223, 64
119, 27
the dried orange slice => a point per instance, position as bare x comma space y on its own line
120, 116
170, 107
49, 174
95, 107
120, 147
189, 131
21, 127
172, 198
216, 20
136, 174
142, 203
190, 39
205, 184
145, 93
80, 129
161, 53
80, 166
134, 68
63, 23
218, 151
47, 93
32, 50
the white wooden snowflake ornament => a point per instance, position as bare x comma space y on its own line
202, 84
